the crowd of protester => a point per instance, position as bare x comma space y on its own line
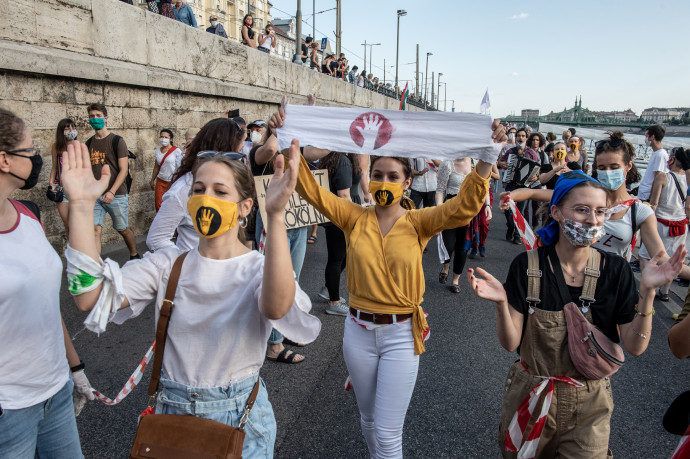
265, 41
204, 197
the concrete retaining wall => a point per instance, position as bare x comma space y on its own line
58, 56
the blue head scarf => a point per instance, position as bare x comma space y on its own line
565, 183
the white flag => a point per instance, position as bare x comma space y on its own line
486, 104
390, 132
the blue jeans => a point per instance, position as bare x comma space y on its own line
224, 404
46, 429
297, 239
118, 210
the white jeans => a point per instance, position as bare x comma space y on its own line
383, 370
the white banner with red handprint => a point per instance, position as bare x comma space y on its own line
390, 132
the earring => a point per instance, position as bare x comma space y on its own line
243, 222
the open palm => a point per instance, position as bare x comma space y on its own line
488, 288
282, 185
77, 176
655, 275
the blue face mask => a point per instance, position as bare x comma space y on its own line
611, 180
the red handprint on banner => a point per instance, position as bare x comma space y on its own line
371, 131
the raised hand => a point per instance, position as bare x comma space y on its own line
370, 132
655, 275
283, 183
311, 100
77, 177
499, 132
488, 288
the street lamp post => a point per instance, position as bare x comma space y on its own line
445, 96
426, 79
297, 59
438, 99
397, 48
371, 51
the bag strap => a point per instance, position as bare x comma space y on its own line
592, 274
164, 317
533, 278
680, 191
172, 149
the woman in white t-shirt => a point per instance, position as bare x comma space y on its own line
38, 398
614, 168
165, 166
228, 297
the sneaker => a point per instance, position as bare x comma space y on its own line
339, 309
482, 251
473, 253
135, 257
509, 235
324, 294
517, 240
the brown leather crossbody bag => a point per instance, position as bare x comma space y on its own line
173, 436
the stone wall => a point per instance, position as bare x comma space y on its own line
58, 56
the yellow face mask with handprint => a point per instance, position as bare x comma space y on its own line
211, 216
386, 193
559, 155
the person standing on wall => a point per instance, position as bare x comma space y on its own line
167, 9
216, 27
247, 31
267, 40
108, 148
165, 166
184, 14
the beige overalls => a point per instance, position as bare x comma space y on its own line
578, 420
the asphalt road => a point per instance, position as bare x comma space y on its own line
456, 405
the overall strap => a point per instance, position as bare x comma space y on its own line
164, 317
592, 274
533, 278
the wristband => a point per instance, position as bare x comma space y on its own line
77, 367
108, 192
644, 314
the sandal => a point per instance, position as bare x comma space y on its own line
312, 239
289, 342
454, 288
442, 277
284, 357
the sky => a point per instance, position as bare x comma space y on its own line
616, 54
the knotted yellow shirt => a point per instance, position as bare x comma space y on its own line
384, 273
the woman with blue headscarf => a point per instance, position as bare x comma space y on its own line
575, 412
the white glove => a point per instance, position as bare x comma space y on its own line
82, 391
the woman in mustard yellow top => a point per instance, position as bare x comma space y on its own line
386, 326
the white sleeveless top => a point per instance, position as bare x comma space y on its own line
671, 206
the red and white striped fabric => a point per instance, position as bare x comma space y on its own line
521, 418
526, 234
131, 382
625, 205
683, 449
262, 241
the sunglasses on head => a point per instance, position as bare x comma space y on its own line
224, 154
613, 143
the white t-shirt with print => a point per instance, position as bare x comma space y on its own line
216, 334
33, 365
619, 233
657, 163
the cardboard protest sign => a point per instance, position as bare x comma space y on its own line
298, 212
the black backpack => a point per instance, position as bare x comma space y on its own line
130, 155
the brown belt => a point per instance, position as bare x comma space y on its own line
379, 319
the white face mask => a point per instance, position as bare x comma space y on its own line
647, 142
255, 137
511, 136
214, 23
522, 145
165, 142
